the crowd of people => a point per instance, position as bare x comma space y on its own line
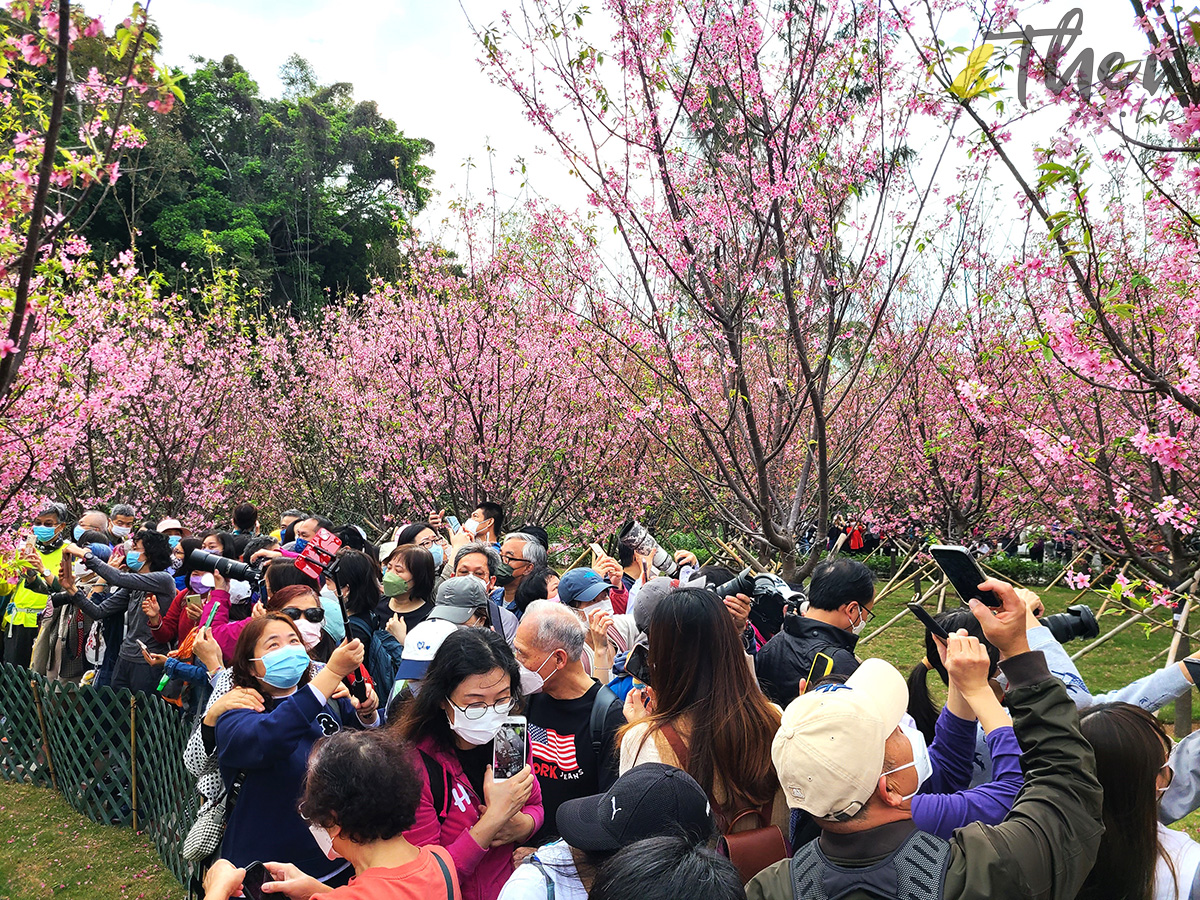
445, 713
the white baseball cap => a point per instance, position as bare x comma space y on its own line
829, 748
172, 525
421, 645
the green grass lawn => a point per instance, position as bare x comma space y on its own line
49, 850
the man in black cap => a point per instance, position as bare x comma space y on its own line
647, 801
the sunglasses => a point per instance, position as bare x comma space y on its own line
312, 615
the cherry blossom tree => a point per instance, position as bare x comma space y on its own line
753, 161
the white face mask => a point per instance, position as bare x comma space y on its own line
476, 731
324, 841
310, 632
532, 681
605, 605
121, 531
857, 628
471, 527
921, 761
79, 570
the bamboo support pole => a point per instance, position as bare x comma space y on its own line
1067, 567
1105, 638
900, 615
1182, 644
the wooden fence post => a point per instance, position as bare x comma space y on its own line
37, 700
133, 801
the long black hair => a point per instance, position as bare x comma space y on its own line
1131, 747
920, 705
359, 578
466, 652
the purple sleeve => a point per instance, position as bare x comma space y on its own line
952, 754
989, 803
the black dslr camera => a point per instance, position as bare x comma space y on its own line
1077, 622
773, 598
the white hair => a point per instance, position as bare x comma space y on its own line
558, 628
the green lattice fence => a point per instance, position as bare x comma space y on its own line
89, 745
93, 736
22, 756
167, 801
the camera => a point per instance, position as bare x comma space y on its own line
232, 569
1077, 622
773, 598
637, 538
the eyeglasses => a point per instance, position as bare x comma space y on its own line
866, 615
479, 710
427, 543
513, 560
317, 614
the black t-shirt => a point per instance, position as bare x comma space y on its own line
561, 736
474, 763
411, 619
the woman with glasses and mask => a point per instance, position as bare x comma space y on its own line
408, 574
1139, 858
472, 684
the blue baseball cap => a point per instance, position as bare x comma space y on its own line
581, 586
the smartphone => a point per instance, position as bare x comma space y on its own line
142, 644
508, 748
597, 552
964, 573
928, 621
193, 600
211, 615
256, 874
454, 524
822, 665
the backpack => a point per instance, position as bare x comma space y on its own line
915, 871
751, 851
381, 656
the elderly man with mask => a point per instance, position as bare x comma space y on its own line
482, 561
520, 554
573, 719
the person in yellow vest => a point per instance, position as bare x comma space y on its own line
40, 559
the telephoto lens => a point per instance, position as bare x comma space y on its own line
743, 584
1077, 622
233, 569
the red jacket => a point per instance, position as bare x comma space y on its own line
175, 624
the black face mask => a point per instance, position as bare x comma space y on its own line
504, 575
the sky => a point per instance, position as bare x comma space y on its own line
419, 61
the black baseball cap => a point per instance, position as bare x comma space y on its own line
649, 800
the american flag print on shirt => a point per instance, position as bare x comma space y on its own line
550, 746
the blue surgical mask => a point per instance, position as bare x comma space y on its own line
438, 559
43, 533
78, 531
133, 561
301, 543
173, 540
283, 668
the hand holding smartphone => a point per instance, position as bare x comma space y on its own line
963, 572
508, 748
822, 665
928, 621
